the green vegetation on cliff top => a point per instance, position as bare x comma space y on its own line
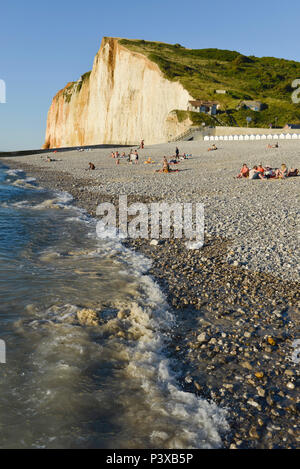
73, 87
202, 71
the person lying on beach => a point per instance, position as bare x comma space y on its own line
244, 172
91, 166
293, 172
149, 161
212, 148
269, 172
183, 157
255, 174
282, 173
273, 146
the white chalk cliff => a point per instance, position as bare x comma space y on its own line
125, 98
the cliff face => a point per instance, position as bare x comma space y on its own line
125, 98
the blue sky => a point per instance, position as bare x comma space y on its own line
46, 44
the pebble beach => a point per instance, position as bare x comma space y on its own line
237, 298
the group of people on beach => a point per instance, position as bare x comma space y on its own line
267, 172
174, 160
132, 157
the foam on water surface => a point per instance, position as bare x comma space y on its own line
88, 332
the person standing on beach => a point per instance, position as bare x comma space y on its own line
177, 153
142, 144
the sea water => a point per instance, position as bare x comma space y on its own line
86, 332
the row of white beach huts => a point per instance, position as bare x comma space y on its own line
253, 137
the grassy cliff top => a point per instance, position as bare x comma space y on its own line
202, 71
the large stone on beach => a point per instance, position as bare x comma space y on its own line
202, 338
271, 341
246, 365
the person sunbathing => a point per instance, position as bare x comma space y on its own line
212, 148
293, 172
260, 168
273, 146
244, 173
166, 167
269, 172
281, 173
149, 161
255, 174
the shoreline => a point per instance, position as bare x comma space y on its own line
236, 324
